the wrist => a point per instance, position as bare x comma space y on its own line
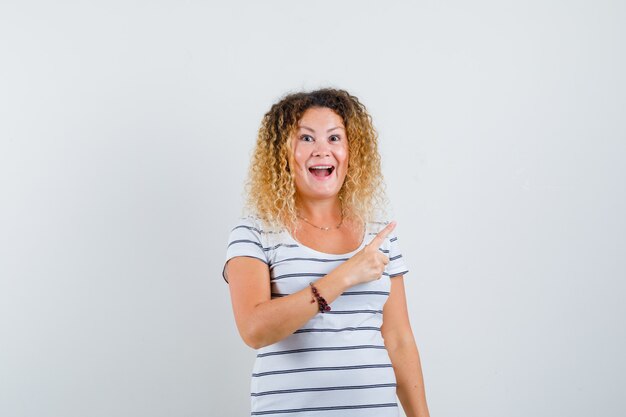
345, 279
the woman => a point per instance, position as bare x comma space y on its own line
316, 283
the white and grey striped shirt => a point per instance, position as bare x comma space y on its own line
336, 365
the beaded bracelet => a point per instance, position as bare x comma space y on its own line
321, 302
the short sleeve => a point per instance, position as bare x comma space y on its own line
397, 265
245, 239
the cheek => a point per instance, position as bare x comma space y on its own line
297, 157
342, 156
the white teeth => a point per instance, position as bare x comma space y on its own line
322, 167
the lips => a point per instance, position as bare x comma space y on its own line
321, 170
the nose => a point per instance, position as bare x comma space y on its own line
321, 154
321, 149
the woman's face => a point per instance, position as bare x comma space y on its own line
320, 154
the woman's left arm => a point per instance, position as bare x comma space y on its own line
400, 344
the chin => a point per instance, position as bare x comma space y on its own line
320, 194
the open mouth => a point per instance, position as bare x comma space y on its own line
322, 170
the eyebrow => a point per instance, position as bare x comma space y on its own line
329, 130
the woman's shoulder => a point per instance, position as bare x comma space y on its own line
375, 226
249, 222
256, 228
258, 225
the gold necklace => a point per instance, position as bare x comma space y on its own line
323, 228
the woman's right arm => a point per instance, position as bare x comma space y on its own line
262, 321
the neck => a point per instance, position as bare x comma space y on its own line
320, 211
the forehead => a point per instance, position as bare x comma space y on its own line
320, 116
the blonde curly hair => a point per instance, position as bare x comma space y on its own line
271, 190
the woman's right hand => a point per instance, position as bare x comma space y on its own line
369, 263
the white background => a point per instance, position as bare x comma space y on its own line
126, 129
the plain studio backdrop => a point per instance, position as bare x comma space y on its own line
126, 130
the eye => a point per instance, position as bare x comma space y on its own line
306, 138
334, 138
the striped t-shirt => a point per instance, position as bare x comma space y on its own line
336, 365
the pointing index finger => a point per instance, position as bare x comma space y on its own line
379, 239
